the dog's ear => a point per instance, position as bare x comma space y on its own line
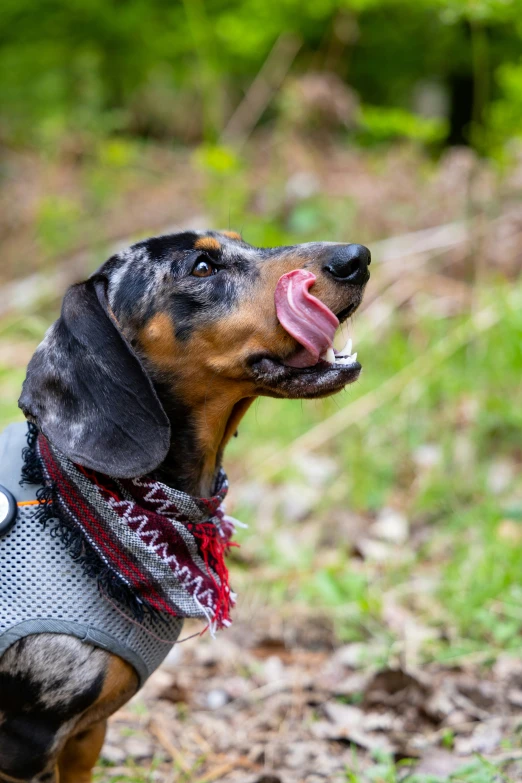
89, 394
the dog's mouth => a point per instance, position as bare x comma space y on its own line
315, 368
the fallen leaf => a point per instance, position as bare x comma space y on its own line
486, 738
393, 687
367, 740
343, 714
439, 763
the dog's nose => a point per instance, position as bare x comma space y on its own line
349, 263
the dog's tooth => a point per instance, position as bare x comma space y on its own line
346, 359
347, 348
329, 356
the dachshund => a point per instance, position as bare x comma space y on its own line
155, 374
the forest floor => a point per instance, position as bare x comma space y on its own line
278, 700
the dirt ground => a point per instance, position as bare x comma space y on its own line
278, 700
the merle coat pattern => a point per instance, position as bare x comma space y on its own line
150, 367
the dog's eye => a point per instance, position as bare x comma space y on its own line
203, 268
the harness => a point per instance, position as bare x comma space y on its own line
43, 590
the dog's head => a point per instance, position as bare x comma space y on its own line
185, 321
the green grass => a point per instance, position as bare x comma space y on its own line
19, 335
385, 770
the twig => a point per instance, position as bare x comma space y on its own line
427, 240
161, 735
501, 758
224, 769
201, 741
262, 89
261, 692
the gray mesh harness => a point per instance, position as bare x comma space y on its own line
42, 590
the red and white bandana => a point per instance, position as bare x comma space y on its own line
151, 547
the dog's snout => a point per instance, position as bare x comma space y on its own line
349, 263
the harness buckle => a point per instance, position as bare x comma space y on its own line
8, 511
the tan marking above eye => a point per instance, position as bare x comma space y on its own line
207, 243
232, 235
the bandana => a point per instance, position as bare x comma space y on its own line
152, 548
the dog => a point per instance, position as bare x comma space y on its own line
150, 368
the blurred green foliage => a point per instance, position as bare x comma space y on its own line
176, 69
381, 124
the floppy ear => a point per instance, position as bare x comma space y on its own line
89, 394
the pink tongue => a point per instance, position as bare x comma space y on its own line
304, 316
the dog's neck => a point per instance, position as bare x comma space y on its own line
199, 434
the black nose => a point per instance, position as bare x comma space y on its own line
349, 263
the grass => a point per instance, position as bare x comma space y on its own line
19, 335
386, 770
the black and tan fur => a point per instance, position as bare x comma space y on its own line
151, 366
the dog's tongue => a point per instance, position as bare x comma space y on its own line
304, 316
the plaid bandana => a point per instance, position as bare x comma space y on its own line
152, 548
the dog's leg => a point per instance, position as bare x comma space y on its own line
82, 749
46, 682
81, 753
52, 688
